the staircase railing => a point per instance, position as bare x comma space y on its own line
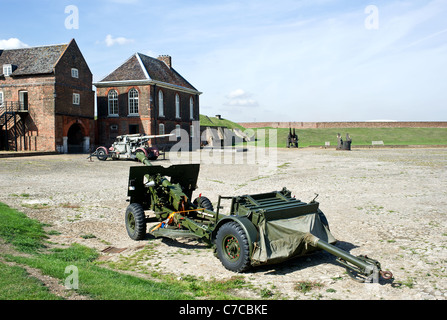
11, 122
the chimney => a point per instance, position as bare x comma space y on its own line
166, 59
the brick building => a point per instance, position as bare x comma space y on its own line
146, 95
46, 99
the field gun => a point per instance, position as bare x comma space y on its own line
260, 229
126, 146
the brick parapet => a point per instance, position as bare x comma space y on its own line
347, 124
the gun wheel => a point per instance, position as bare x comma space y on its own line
101, 154
204, 202
232, 247
135, 221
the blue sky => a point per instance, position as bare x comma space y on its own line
256, 60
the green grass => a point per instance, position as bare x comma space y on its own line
15, 284
95, 281
24, 234
27, 235
361, 136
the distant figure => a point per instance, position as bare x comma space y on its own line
292, 139
347, 143
339, 142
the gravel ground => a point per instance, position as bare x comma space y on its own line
389, 204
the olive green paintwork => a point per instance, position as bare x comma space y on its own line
276, 225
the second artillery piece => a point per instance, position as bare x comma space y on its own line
127, 145
260, 229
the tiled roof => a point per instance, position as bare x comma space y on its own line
142, 67
34, 60
129, 70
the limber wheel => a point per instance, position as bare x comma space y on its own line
233, 247
135, 221
204, 202
101, 154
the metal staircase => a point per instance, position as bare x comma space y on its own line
12, 124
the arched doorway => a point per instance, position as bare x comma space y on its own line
75, 139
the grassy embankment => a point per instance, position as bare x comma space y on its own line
363, 136
359, 136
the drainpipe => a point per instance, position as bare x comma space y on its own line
155, 113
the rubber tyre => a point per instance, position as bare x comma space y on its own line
233, 247
101, 154
135, 221
204, 202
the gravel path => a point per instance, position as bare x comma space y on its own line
389, 204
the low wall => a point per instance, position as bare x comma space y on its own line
365, 124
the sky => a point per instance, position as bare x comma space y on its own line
258, 60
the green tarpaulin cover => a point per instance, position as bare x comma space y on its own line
282, 239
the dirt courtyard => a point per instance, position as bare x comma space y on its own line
389, 204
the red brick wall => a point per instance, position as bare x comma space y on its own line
39, 123
66, 85
123, 120
366, 124
49, 116
148, 121
66, 112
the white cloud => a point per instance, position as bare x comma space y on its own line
240, 98
238, 93
12, 43
110, 41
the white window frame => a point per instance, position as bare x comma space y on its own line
191, 108
23, 103
177, 131
133, 102
177, 106
7, 70
76, 99
74, 73
112, 103
161, 128
161, 112
1, 98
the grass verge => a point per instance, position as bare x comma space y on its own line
359, 136
207, 121
15, 284
78, 263
97, 282
25, 234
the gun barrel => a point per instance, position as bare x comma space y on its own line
143, 159
363, 265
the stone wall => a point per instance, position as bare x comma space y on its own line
366, 124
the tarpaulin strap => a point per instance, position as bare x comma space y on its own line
163, 223
190, 210
170, 219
